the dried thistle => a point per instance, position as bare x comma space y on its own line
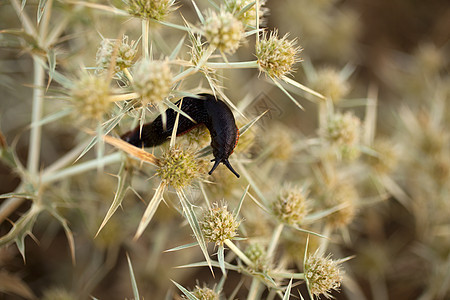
152, 80
223, 31
323, 275
219, 224
276, 56
150, 9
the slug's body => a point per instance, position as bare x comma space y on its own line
206, 109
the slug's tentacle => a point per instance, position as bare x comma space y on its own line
206, 109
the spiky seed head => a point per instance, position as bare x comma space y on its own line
323, 275
257, 254
150, 9
291, 205
281, 140
205, 293
123, 51
343, 193
179, 167
276, 57
329, 83
343, 129
90, 96
152, 80
247, 18
386, 159
219, 224
223, 31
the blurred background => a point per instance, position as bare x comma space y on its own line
399, 234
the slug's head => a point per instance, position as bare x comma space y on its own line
226, 163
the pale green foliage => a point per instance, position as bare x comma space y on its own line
347, 163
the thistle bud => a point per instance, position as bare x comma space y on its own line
223, 31
123, 50
90, 95
150, 9
323, 275
276, 56
179, 167
219, 224
152, 80
291, 206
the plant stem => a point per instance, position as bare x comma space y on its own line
287, 275
10, 205
128, 74
80, 168
253, 293
34, 148
233, 65
184, 74
274, 241
123, 97
145, 44
238, 252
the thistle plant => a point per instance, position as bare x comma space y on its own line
178, 168
291, 205
65, 180
323, 275
120, 52
90, 96
153, 81
146, 9
276, 56
219, 225
223, 31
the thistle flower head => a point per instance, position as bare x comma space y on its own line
257, 254
150, 9
219, 224
343, 129
386, 159
223, 31
291, 205
179, 167
90, 95
344, 194
329, 83
152, 80
205, 293
247, 18
323, 275
123, 51
276, 56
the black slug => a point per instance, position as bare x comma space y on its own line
206, 109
